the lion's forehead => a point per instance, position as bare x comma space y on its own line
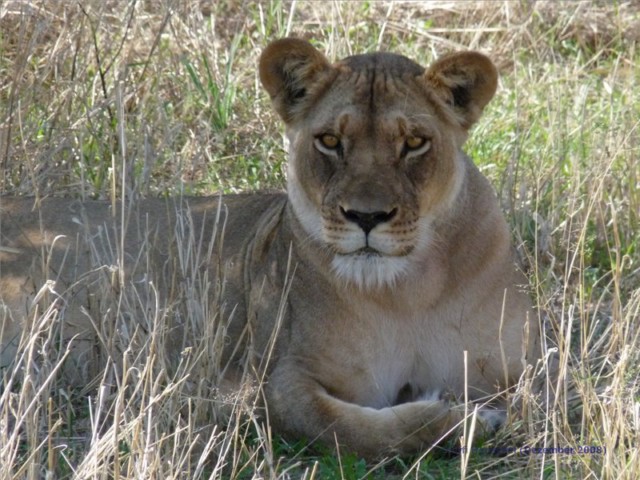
382, 62
378, 79
385, 122
384, 99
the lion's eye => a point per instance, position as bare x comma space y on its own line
329, 144
415, 146
329, 141
414, 143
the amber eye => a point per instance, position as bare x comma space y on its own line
329, 141
414, 143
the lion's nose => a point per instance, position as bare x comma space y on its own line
367, 221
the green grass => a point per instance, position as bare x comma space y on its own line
91, 90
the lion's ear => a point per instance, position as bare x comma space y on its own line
466, 81
288, 67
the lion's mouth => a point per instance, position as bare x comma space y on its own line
370, 252
367, 252
364, 252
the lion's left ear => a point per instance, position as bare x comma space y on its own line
466, 81
289, 68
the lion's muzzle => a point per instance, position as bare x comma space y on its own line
367, 221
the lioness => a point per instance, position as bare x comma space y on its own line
357, 292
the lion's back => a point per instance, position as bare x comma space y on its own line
65, 265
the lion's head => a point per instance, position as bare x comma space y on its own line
375, 154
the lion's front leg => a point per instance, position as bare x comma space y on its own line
300, 406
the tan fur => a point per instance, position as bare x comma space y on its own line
374, 327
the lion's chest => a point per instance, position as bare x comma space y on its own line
377, 350
384, 358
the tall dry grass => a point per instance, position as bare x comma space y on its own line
133, 98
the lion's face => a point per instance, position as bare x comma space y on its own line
374, 153
368, 167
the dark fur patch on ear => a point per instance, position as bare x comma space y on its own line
291, 85
298, 93
461, 96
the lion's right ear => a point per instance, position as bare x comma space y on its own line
466, 81
288, 68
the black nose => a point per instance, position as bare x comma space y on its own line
368, 220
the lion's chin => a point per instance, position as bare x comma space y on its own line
368, 268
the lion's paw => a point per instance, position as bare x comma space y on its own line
491, 420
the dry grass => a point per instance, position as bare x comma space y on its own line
105, 99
